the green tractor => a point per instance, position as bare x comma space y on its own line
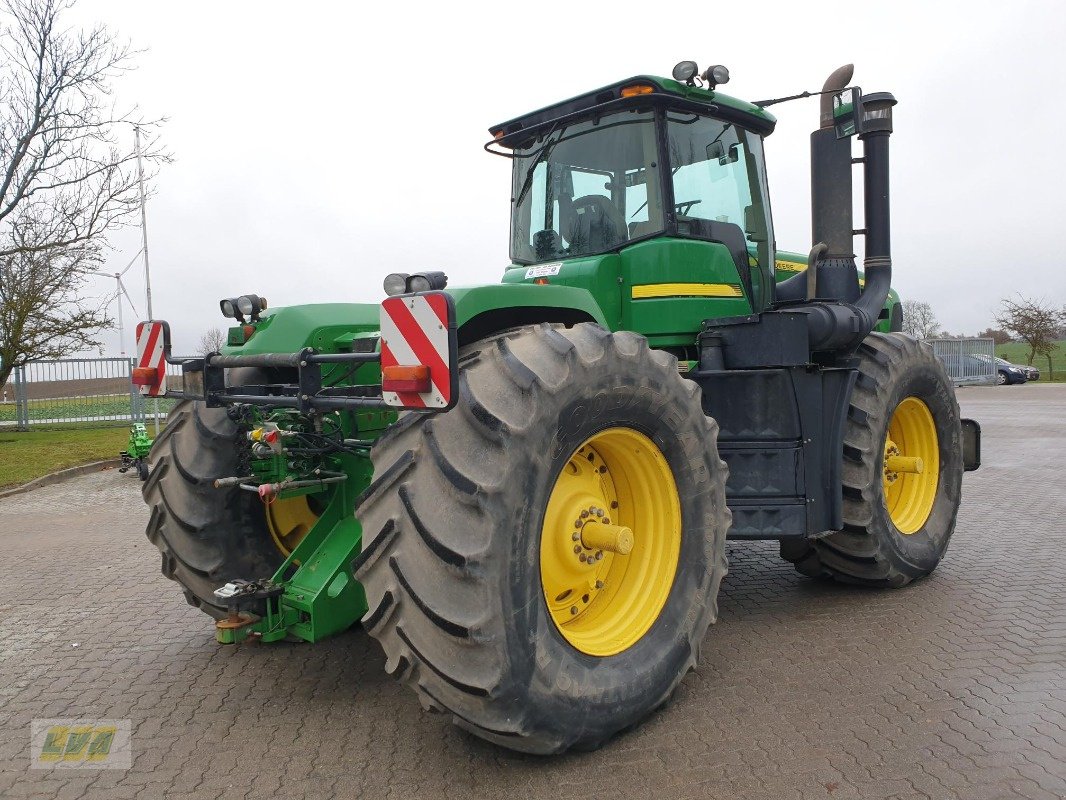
523, 490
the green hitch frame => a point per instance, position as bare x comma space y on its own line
320, 595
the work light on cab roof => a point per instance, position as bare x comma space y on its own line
686, 72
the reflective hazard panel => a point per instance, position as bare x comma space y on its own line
150, 373
418, 335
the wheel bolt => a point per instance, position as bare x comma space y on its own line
599, 512
581, 558
599, 555
577, 523
575, 536
573, 609
603, 469
577, 548
584, 514
599, 584
614, 504
606, 520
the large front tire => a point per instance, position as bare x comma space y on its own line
468, 539
897, 524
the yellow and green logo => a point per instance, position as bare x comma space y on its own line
81, 744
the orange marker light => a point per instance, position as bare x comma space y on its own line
398, 378
540, 281
248, 331
144, 376
637, 89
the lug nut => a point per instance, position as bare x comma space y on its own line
575, 536
599, 555
606, 520
584, 514
573, 609
577, 548
603, 469
614, 504
599, 512
581, 558
599, 584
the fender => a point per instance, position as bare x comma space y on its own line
484, 310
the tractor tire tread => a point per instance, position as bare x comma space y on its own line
432, 588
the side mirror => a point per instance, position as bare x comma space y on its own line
847, 112
717, 150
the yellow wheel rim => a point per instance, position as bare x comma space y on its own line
912, 465
610, 543
288, 521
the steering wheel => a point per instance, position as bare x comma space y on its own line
682, 208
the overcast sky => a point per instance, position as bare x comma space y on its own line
319, 146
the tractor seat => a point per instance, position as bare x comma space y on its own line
592, 224
638, 229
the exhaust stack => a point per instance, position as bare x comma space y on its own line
831, 190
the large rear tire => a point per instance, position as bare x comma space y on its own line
206, 536
897, 524
478, 533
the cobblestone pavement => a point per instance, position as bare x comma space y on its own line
951, 688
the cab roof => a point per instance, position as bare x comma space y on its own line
657, 91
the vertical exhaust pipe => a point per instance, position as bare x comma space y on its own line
831, 188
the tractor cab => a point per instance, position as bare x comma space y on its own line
650, 185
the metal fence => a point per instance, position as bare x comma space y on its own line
970, 362
78, 393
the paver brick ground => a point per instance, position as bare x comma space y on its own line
954, 687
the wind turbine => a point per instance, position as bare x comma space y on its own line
120, 290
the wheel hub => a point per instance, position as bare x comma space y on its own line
610, 541
911, 465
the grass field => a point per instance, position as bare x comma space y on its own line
1018, 352
29, 455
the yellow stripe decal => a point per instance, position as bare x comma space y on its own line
687, 290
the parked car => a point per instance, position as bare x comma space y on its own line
968, 370
1008, 372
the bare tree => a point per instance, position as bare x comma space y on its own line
919, 320
212, 341
65, 181
42, 314
997, 335
1036, 322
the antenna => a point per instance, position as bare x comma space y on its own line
120, 291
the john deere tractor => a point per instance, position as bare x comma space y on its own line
523, 490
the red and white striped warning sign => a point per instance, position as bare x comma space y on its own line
418, 331
150, 374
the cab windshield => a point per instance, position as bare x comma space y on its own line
588, 188
720, 191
